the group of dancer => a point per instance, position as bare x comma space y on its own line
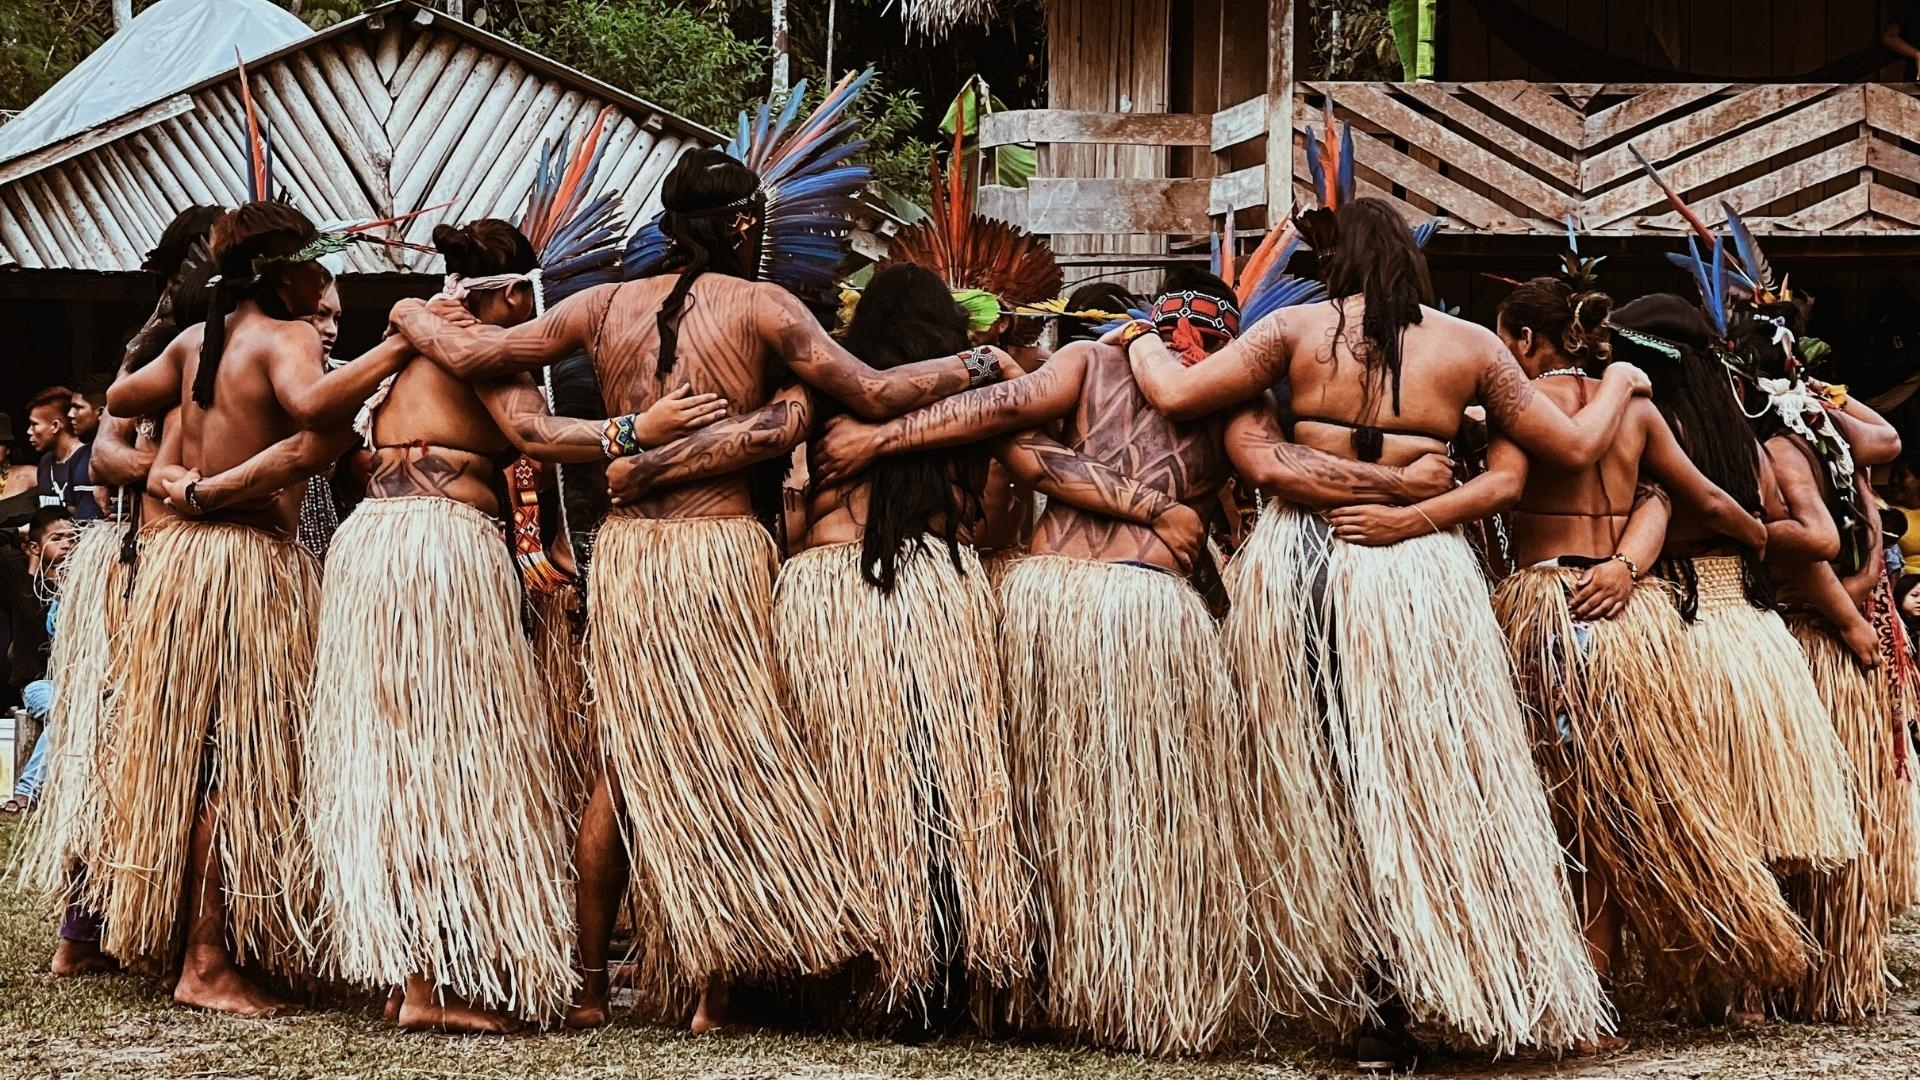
1024, 715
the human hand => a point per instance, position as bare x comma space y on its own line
678, 412
1377, 526
447, 309
1004, 365
1429, 476
176, 488
1180, 528
629, 478
1602, 592
847, 448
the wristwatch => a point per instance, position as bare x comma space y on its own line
193, 496
980, 369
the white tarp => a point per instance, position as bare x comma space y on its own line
165, 49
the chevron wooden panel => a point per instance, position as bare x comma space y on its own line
1512, 157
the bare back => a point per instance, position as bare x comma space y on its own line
1578, 512
1113, 424
720, 351
1443, 360
434, 436
247, 415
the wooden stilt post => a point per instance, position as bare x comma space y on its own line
1279, 111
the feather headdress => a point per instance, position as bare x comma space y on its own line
974, 253
1332, 190
809, 185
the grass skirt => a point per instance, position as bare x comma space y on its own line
1849, 908
1125, 753
1617, 736
1463, 909
433, 802
726, 820
898, 697
212, 706
1789, 775
64, 831
557, 619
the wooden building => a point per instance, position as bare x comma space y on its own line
398, 109
1161, 120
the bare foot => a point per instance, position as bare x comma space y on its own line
589, 1009
208, 980
711, 1014
390, 1012
72, 958
452, 1016
1605, 1044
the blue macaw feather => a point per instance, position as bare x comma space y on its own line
1720, 290
1283, 291
1424, 231
1755, 268
1573, 238
1346, 178
1316, 169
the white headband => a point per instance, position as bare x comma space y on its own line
456, 287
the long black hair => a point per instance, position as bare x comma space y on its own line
181, 255
1107, 296
1693, 394
254, 231
1378, 261
704, 200
906, 314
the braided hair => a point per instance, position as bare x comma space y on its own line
255, 231
706, 200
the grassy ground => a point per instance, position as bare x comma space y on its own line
123, 1026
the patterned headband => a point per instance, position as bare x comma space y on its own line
1647, 341
1202, 310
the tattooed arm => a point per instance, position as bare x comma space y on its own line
1664, 461
518, 406
719, 448
1235, 374
317, 398
1263, 456
848, 447
254, 481
1539, 426
1487, 494
794, 335
1039, 461
477, 352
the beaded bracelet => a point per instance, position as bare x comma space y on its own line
1134, 331
621, 436
1633, 569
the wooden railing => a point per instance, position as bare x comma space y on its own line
1513, 158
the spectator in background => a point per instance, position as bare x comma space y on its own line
89, 401
1902, 35
14, 478
1901, 493
65, 474
1906, 597
31, 599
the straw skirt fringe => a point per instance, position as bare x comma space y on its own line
898, 697
1467, 914
561, 656
433, 802
727, 822
1789, 775
1849, 909
1125, 751
212, 706
64, 831
1617, 736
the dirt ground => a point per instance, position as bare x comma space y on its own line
124, 1026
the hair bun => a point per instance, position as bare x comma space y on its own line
452, 241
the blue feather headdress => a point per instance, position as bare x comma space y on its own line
577, 237
809, 183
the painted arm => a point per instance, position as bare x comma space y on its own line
518, 406
1237, 373
848, 447
1487, 494
1663, 460
1806, 533
717, 449
1043, 463
154, 389
1262, 455
317, 398
477, 352
1872, 440
256, 480
1559, 441
793, 334
117, 460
